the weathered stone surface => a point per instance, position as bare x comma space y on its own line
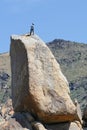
12, 124
79, 113
38, 126
19, 121
38, 85
75, 126
6, 110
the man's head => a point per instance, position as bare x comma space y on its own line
32, 23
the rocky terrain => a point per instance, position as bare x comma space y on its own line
5, 77
72, 58
40, 92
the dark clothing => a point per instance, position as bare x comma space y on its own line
32, 30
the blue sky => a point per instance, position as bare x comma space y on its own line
61, 19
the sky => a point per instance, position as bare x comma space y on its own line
53, 19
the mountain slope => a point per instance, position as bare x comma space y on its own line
5, 77
72, 57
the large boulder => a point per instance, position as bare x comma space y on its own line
38, 85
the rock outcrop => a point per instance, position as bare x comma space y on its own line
40, 92
25, 121
38, 85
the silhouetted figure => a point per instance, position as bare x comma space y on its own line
32, 29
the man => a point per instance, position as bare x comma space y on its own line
32, 29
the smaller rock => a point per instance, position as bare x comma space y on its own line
38, 126
12, 124
75, 126
7, 109
79, 113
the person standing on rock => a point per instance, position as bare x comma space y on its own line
32, 29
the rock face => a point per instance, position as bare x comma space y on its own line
38, 85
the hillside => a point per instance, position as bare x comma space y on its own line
72, 58
5, 77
